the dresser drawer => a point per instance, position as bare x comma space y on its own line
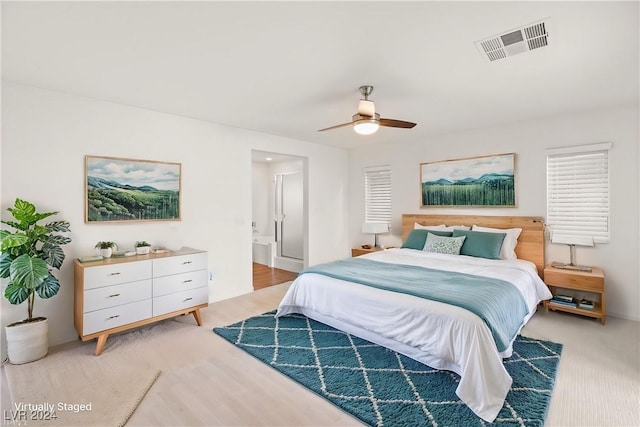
180, 300
113, 317
106, 275
179, 282
110, 296
179, 264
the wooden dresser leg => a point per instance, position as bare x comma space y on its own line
102, 340
196, 315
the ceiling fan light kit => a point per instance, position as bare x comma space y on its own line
364, 125
367, 121
367, 127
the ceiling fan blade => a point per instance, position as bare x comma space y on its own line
392, 123
336, 126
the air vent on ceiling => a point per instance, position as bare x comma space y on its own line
513, 42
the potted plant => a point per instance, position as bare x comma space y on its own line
142, 247
28, 256
106, 248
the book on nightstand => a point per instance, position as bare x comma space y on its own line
564, 300
586, 304
561, 300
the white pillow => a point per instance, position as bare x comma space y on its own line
417, 226
440, 227
457, 227
508, 250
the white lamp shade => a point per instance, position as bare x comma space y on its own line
570, 239
375, 227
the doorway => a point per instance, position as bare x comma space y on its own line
279, 217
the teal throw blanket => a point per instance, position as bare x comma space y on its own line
497, 302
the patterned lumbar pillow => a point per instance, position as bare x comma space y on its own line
443, 245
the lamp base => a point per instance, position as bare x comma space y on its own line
574, 267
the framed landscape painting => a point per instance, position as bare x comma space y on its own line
131, 190
477, 181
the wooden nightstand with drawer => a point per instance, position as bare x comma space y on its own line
591, 282
362, 251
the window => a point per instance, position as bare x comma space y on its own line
377, 191
578, 191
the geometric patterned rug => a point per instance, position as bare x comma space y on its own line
384, 388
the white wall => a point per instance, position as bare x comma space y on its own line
46, 134
261, 196
528, 140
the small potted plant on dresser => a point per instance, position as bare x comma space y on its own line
106, 248
142, 247
28, 256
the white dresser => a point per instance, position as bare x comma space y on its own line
117, 294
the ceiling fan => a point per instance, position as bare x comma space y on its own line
366, 121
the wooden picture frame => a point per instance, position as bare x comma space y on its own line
122, 190
484, 181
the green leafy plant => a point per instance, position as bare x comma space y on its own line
106, 245
30, 253
141, 243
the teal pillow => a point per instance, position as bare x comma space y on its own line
481, 244
417, 238
444, 245
443, 233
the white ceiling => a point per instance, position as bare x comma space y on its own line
291, 68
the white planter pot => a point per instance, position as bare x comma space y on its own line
106, 252
27, 342
143, 250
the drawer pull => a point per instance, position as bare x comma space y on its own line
113, 317
187, 299
114, 274
187, 262
114, 295
188, 281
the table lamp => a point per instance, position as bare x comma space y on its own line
375, 228
572, 241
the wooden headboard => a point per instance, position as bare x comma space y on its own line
530, 243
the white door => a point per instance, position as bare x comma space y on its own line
291, 224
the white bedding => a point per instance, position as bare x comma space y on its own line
437, 334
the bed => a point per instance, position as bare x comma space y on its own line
375, 297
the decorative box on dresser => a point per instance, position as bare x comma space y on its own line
117, 294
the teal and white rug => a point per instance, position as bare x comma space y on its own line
384, 388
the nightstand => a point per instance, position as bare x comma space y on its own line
592, 282
361, 251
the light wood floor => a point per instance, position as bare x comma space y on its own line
228, 387
206, 381
264, 276
598, 382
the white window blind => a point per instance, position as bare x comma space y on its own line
578, 191
377, 190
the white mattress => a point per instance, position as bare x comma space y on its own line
437, 334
